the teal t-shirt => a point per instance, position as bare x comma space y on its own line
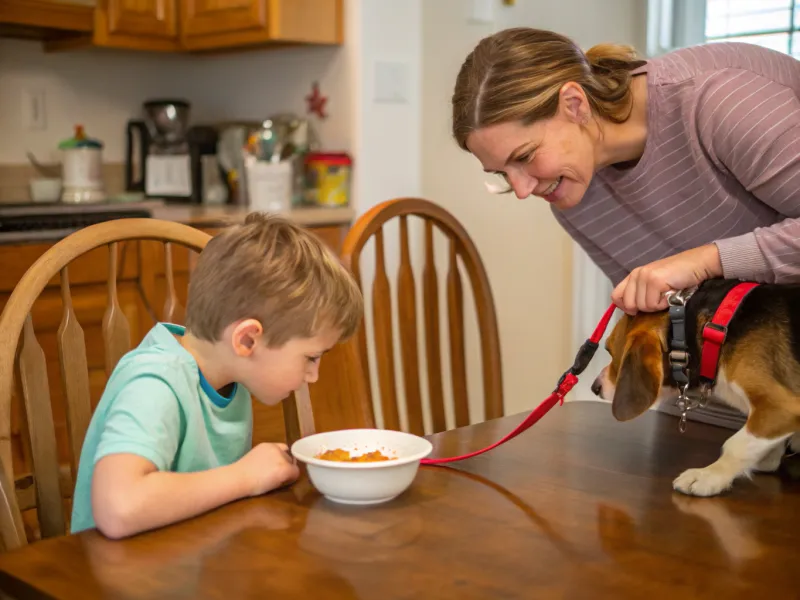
158, 405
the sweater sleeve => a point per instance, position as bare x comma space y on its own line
750, 127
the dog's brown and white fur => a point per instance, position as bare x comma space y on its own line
759, 374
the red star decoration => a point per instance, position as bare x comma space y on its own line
316, 101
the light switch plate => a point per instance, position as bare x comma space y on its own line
481, 11
33, 109
391, 82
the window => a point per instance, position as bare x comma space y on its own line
678, 23
771, 23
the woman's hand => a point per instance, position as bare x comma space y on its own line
644, 289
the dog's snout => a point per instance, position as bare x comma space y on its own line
597, 388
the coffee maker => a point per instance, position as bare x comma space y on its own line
166, 158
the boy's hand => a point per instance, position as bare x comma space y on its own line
266, 467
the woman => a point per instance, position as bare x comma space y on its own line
667, 172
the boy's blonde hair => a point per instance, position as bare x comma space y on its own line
273, 270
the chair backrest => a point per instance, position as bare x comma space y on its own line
21, 355
461, 250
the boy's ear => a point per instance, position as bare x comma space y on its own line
640, 375
246, 335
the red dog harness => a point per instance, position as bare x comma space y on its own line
714, 334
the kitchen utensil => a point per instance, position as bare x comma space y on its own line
49, 172
233, 137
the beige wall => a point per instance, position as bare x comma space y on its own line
528, 257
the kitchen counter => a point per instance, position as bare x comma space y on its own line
26, 223
210, 216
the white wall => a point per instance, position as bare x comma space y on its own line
387, 136
528, 257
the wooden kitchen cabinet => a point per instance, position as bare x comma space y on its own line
46, 19
137, 24
69, 15
195, 25
209, 24
173, 25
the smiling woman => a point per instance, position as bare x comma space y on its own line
667, 172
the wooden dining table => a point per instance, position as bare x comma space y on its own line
578, 507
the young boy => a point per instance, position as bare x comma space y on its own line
172, 435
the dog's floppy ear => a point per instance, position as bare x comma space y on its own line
640, 375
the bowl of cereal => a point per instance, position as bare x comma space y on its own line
361, 466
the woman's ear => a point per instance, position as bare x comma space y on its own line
640, 375
573, 104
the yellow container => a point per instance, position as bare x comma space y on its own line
328, 178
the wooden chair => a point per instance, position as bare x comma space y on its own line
21, 354
461, 250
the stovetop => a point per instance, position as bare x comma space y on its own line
35, 222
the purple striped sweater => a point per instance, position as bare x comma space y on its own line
721, 165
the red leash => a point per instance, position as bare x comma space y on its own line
565, 384
714, 334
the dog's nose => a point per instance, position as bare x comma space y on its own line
597, 388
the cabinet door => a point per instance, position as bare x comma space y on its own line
210, 24
137, 24
72, 15
208, 17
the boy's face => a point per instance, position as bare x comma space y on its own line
271, 374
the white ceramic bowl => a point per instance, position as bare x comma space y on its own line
367, 482
45, 189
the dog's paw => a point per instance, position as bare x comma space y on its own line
771, 462
794, 443
702, 482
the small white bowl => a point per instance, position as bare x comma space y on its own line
367, 482
45, 189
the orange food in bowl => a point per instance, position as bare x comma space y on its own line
340, 455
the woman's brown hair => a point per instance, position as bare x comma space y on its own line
516, 75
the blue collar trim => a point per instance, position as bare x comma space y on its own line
217, 398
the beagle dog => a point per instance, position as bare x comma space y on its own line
758, 374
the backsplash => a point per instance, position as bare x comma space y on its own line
14, 186
101, 89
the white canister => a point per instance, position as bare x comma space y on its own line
82, 169
269, 185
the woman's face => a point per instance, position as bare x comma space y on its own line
554, 159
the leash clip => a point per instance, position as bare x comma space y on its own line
679, 352
685, 403
582, 360
678, 297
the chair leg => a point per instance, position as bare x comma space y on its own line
298, 416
